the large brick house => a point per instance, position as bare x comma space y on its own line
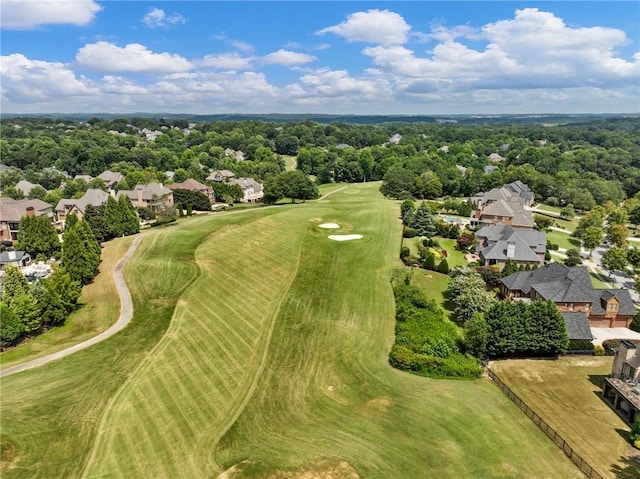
574, 295
506, 205
194, 185
12, 211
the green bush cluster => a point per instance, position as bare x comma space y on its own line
427, 343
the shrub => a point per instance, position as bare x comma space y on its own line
404, 252
581, 345
429, 262
409, 232
598, 350
634, 434
443, 267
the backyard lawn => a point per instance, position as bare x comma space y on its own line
566, 393
261, 345
563, 240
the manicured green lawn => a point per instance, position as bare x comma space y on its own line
566, 393
563, 240
259, 342
454, 257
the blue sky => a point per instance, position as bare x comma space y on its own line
320, 57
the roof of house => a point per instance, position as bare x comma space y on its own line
25, 186
92, 196
149, 192
221, 173
86, 178
5, 256
523, 219
111, 177
577, 325
498, 208
561, 284
13, 210
189, 184
246, 183
527, 243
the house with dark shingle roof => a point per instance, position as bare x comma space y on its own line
572, 292
153, 195
499, 243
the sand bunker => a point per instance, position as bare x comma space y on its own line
329, 226
345, 237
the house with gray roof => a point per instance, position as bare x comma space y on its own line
12, 211
497, 244
26, 187
572, 291
92, 196
194, 185
153, 195
220, 176
15, 258
251, 189
111, 179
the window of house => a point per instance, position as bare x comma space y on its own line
613, 307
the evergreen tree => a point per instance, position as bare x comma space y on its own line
443, 267
95, 217
71, 220
10, 326
128, 217
59, 298
38, 237
14, 285
510, 267
423, 221
80, 253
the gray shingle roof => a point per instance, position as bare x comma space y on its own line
577, 325
527, 243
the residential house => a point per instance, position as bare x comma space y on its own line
507, 205
111, 179
495, 158
238, 155
251, 189
25, 187
221, 176
12, 211
16, 258
499, 243
490, 169
194, 185
622, 389
572, 292
85, 178
93, 197
154, 196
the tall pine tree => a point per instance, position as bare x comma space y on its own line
38, 237
80, 252
423, 222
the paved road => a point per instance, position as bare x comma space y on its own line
126, 313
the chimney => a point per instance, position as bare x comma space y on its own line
511, 249
31, 211
139, 197
625, 352
12, 255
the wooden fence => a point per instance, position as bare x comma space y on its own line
578, 460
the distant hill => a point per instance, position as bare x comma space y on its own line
551, 119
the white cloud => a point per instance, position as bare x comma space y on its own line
122, 86
27, 14
156, 17
242, 46
373, 26
31, 81
533, 50
107, 57
227, 61
287, 58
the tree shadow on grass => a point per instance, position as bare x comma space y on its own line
629, 470
598, 379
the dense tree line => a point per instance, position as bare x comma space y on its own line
194, 200
578, 164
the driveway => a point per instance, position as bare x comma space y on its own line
601, 334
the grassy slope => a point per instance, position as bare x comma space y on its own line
566, 393
563, 240
325, 389
99, 308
